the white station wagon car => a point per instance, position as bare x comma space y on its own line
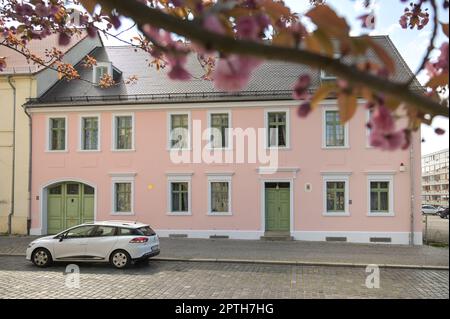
117, 242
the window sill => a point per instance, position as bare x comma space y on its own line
219, 149
219, 214
335, 147
122, 213
179, 149
388, 214
89, 151
123, 151
342, 214
179, 213
278, 148
56, 151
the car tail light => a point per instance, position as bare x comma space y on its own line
139, 240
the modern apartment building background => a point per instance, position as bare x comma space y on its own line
435, 182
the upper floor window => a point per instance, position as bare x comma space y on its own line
101, 70
90, 133
335, 135
219, 123
277, 128
123, 132
179, 131
326, 76
57, 134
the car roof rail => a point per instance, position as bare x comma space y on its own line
120, 221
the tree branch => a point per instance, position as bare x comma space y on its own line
192, 30
431, 45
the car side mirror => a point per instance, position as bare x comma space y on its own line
61, 238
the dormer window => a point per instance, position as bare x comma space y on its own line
326, 76
100, 70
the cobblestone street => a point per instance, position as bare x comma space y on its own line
165, 279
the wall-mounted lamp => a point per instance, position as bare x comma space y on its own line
402, 167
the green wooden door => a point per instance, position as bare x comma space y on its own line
69, 204
277, 206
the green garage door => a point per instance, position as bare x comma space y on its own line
277, 206
69, 204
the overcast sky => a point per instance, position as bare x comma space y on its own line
411, 44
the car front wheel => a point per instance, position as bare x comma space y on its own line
41, 257
120, 259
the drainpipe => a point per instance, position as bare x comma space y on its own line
30, 137
412, 190
13, 177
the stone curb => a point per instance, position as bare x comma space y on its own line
299, 263
280, 262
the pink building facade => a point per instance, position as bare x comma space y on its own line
114, 154
305, 165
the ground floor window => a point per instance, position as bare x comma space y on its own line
336, 194
219, 195
123, 197
123, 194
380, 195
180, 197
179, 194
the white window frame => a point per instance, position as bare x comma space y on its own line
367, 130
288, 128
323, 73
122, 178
114, 130
48, 139
220, 178
81, 131
230, 130
169, 126
179, 178
325, 76
101, 64
381, 177
336, 177
324, 127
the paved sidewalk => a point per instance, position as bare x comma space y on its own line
282, 252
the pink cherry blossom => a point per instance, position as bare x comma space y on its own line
388, 141
213, 24
247, 28
439, 131
42, 10
443, 58
64, 39
301, 87
233, 73
304, 109
178, 72
2, 63
382, 120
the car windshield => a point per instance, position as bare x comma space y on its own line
147, 231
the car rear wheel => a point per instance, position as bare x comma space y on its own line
41, 257
120, 259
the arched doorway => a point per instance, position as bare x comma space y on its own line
69, 204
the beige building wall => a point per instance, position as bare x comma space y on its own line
25, 88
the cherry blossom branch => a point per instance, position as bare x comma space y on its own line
431, 45
192, 30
